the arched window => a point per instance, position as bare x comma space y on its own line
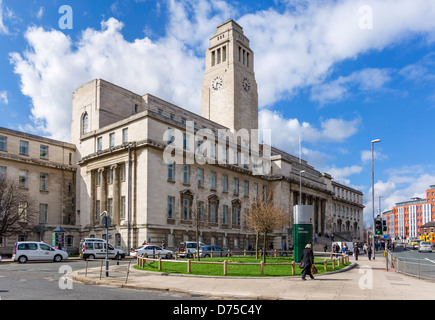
85, 123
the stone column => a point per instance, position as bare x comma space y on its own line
116, 197
103, 189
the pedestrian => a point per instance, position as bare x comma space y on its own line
325, 247
344, 249
337, 249
163, 244
355, 251
369, 251
307, 259
284, 249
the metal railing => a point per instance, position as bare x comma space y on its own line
421, 268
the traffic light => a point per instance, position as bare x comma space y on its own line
384, 223
378, 226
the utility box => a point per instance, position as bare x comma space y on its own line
302, 229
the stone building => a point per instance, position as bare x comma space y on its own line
121, 137
116, 163
44, 169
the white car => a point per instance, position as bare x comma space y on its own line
425, 246
32, 250
152, 251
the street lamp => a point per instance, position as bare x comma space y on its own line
373, 196
300, 185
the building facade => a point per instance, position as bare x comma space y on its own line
119, 164
406, 219
45, 172
121, 138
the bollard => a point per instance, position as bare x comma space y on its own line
293, 268
262, 267
188, 266
160, 263
225, 267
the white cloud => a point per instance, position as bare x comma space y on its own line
365, 81
40, 13
366, 155
52, 69
295, 48
341, 174
401, 185
4, 97
298, 48
3, 28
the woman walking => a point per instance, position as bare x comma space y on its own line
307, 259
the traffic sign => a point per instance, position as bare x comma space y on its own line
106, 221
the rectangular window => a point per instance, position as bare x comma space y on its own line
171, 172
22, 211
98, 178
246, 188
200, 177
123, 207
236, 186
224, 214
125, 135
224, 53
43, 152
235, 216
99, 144
224, 183
24, 147
112, 140
23, 179
110, 207
255, 190
43, 181
111, 175
200, 208
43, 213
212, 212
213, 180
186, 174
186, 209
97, 209
3, 143
2, 172
171, 202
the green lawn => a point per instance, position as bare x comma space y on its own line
236, 267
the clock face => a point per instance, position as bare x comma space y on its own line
246, 85
217, 83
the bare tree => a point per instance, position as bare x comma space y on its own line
265, 217
16, 209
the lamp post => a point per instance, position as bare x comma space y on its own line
300, 185
373, 196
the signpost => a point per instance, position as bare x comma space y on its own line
58, 238
106, 222
302, 229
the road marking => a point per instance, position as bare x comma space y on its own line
429, 260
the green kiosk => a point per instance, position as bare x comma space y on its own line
302, 229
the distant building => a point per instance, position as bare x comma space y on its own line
405, 219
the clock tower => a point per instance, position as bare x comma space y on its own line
229, 90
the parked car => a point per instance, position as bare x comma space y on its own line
207, 251
425, 246
32, 250
152, 251
187, 248
95, 248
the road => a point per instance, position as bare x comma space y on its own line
47, 281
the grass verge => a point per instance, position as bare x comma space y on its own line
237, 267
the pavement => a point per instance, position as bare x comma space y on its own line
362, 280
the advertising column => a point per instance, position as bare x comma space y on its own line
302, 229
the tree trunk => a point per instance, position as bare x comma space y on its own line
264, 247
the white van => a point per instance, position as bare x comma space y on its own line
94, 248
32, 250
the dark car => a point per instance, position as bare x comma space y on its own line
207, 251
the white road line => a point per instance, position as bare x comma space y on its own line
429, 260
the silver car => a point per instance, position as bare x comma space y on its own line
32, 250
425, 246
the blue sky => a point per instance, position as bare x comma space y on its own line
340, 73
